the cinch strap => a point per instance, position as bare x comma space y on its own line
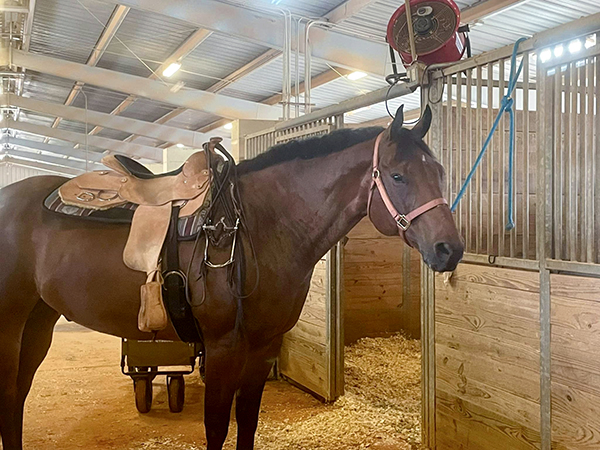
402, 221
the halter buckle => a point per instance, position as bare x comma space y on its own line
403, 223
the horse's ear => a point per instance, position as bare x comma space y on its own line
422, 126
396, 126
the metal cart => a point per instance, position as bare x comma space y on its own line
143, 361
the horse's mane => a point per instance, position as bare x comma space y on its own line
309, 148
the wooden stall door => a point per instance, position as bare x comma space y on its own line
312, 352
487, 360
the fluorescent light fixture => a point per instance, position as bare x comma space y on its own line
546, 55
354, 76
575, 46
180, 146
228, 126
276, 2
590, 41
558, 50
171, 69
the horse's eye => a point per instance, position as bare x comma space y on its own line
398, 178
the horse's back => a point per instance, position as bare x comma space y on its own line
27, 194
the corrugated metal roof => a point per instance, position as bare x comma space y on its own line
144, 36
305, 8
217, 57
66, 29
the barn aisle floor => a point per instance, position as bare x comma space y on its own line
80, 400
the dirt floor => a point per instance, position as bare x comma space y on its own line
80, 400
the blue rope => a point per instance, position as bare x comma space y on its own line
505, 106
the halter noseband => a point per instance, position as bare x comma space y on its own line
402, 221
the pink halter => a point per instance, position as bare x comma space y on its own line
402, 221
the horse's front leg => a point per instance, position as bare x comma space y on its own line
224, 362
249, 395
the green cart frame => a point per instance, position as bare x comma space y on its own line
143, 361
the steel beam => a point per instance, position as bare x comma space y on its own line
197, 38
346, 10
220, 105
61, 150
63, 170
135, 150
337, 48
109, 32
486, 8
79, 165
125, 124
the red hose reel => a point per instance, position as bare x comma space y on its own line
436, 29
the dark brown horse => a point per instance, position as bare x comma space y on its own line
300, 199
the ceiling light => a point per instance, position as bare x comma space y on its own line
180, 146
354, 76
590, 41
228, 126
575, 46
171, 69
546, 55
558, 51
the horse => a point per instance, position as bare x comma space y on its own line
300, 199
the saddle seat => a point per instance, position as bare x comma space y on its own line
140, 171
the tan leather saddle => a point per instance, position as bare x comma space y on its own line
155, 195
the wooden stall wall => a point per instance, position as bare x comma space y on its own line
377, 301
304, 354
487, 359
575, 362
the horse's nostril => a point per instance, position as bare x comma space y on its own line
443, 250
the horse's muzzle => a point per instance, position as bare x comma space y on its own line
445, 256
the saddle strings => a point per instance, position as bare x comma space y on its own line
221, 182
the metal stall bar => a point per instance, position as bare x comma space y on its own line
479, 176
490, 160
525, 189
545, 101
588, 255
559, 162
469, 160
597, 159
459, 148
449, 141
501, 165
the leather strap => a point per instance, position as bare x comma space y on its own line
403, 221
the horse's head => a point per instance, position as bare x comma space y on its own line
413, 178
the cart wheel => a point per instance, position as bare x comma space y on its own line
176, 391
143, 394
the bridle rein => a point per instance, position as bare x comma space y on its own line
403, 221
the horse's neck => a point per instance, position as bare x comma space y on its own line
306, 206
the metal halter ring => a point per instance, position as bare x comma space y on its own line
376, 174
403, 223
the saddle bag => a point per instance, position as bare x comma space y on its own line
153, 315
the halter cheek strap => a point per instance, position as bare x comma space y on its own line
402, 221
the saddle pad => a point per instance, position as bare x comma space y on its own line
188, 225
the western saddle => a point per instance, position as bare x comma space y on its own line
158, 197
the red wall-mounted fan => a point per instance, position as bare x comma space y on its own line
436, 29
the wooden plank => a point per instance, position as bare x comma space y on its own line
576, 287
366, 230
503, 301
495, 372
303, 357
504, 403
304, 362
461, 425
495, 276
490, 323
376, 250
575, 419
